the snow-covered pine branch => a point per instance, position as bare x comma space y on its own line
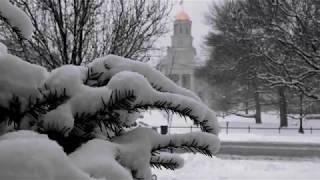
102, 69
167, 161
85, 109
73, 113
16, 18
147, 97
29, 155
195, 142
139, 145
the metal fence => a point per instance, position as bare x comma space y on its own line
248, 129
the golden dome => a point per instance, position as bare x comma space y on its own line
182, 16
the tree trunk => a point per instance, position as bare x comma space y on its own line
283, 107
301, 114
247, 99
258, 107
246, 110
257, 103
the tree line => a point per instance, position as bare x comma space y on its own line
262, 53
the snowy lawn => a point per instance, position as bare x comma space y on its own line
156, 118
226, 167
199, 167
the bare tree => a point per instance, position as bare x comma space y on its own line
276, 40
76, 32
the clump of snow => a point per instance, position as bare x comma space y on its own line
98, 158
59, 119
87, 101
3, 49
68, 78
21, 79
16, 18
27, 155
22, 134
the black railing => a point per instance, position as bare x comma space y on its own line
227, 129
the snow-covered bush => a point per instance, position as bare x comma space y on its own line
75, 122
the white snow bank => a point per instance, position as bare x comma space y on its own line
16, 17
28, 155
233, 168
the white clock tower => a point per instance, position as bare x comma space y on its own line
179, 63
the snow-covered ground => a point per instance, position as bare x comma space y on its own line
226, 167
199, 167
270, 120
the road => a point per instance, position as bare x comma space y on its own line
270, 149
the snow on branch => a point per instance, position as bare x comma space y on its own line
140, 144
128, 153
16, 18
167, 161
21, 79
196, 142
3, 49
86, 115
100, 158
29, 155
147, 97
126, 90
102, 69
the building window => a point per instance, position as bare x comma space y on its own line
174, 77
186, 81
176, 28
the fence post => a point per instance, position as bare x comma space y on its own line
310, 130
279, 129
190, 128
248, 129
227, 127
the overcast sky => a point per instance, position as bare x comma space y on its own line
196, 10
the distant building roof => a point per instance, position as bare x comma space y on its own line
182, 16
